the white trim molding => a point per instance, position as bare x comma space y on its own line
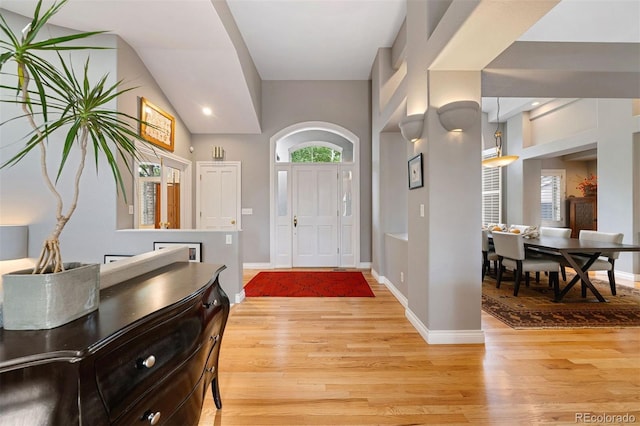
397, 294
257, 266
627, 276
239, 297
445, 337
379, 278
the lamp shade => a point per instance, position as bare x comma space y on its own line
500, 161
458, 116
411, 127
13, 242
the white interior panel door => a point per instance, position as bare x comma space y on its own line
219, 196
315, 215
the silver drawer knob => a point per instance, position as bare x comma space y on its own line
210, 304
148, 362
153, 418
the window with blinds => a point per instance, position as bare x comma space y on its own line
552, 195
491, 191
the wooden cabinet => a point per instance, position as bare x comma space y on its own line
582, 213
147, 356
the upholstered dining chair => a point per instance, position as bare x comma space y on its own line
511, 255
488, 255
606, 262
554, 232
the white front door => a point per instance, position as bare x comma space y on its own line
218, 196
315, 215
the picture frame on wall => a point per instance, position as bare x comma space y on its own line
415, 172
195, 249
157, 127
108, 258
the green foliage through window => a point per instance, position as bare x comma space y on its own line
149, 170
315, 154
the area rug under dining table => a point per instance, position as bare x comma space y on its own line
534, 306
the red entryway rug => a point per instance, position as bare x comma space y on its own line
308, 284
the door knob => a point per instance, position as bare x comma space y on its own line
295, 221
233, 222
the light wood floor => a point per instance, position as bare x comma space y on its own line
358, 361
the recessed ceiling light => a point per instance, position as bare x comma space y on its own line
536, 103
207, 111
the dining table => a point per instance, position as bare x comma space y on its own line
569, 248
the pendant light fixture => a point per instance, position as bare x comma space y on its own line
499, 160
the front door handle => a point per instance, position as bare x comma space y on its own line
295, 221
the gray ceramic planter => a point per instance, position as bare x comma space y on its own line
44, 301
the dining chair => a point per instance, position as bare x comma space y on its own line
488, 255
606, 262
512, 255
554, 232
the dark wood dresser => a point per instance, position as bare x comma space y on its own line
147, 356
582, 213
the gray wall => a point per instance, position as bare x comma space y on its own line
396, 263
26, 200
135, 73
91, 232
284, 103
253, 152
394, 183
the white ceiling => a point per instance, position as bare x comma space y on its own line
186, 47
317, 39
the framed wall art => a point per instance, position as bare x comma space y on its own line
158, 127
195, 249
415, 172
108, 258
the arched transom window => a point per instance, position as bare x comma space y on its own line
314, 146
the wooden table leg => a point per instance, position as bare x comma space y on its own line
582, 274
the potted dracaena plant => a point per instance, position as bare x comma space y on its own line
68, 112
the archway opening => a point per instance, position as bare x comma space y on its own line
315, 196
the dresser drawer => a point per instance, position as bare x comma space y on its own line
215, 307
189, 412
125, 374
162, 404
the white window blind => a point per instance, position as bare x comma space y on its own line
491, 191
552, 194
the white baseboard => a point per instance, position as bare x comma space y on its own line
627, 276
379, 278
445, 337
239, 297
257, 266
397, 294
